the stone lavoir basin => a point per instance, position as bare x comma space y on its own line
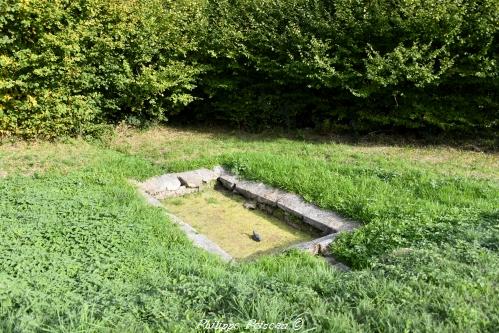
228, 220
221, 213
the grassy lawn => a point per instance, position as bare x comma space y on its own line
81, 251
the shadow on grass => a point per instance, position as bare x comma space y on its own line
376, 138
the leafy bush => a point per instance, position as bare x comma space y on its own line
67, 65
408, 63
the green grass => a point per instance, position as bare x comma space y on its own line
81, 251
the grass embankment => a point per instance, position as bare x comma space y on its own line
79, 249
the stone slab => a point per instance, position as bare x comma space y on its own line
190, 179
246, 189
206, 175
259, 192
196, 178
183, 190
168, 182
293, 204
320, 246
149, 198
317, 216
270, 196
323, 242
228, 181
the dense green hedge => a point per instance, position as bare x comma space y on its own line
361, 63
69, 65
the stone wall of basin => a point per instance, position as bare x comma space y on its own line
287, 206
272, 199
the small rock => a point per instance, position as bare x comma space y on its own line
250, 205
317, 249
256, 237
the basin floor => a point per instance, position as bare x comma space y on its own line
221, 216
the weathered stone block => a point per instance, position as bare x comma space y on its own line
177, 193
259, 192
319, 217
313, 215
293, 204
246, 189
190, 179
250, 205
228, 181
168, 182
206, 175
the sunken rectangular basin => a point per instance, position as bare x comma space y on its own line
221, 216
219, 212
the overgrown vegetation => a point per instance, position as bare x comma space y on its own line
80, 250
67, 67
360, 64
